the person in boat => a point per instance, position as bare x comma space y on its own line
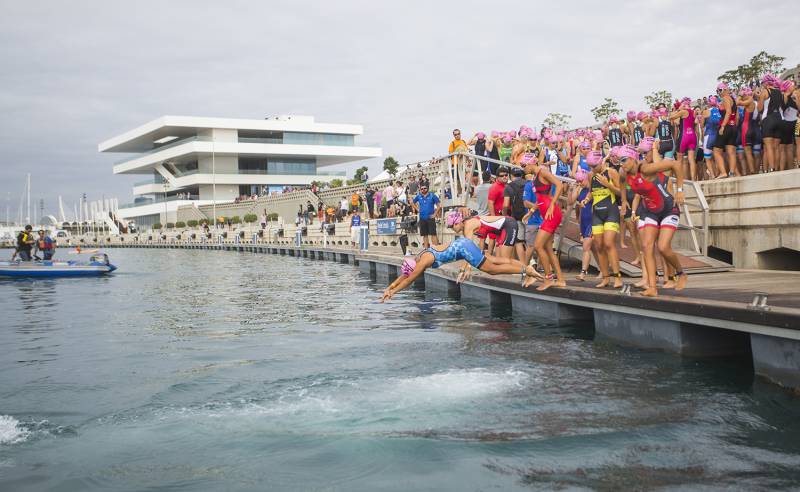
25, 242
45, 245
459, 249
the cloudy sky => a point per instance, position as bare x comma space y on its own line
76, 73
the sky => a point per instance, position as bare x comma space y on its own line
77, 73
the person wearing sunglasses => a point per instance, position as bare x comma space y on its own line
458, 144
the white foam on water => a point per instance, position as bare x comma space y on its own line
460, 384
11, 432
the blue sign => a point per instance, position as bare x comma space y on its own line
387, 226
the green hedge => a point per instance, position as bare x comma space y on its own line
192, 223
236, 220
157, 226
180, 224
170, 225
273, 216
250, 218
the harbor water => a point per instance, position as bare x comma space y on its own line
210, 370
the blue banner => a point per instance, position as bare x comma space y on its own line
387, 226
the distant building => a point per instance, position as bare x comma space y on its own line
792, 73
188, 159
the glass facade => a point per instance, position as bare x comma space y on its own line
298, 138
283, 165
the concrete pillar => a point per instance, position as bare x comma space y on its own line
434, 283
672, 336
384, 271
484, 295
344, 257
367, 267
777, 359
524, 306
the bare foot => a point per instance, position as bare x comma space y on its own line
640, 284
546, 285
669, 284
617, 282
636, 262
561, 283
650, 292
682, 279
528, 281
581, 276
623, 246
603, 283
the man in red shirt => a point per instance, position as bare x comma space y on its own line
496, 192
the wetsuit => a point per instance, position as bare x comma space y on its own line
772, 118
728, 137
493, 154
506, 228
460, 249
629, 196
711, 131
659, 208
582, 164
543, 200
605, 210
480, 150
505, 152
666, 147
747, 130
615, 137
638, 134
586, 214
789, 122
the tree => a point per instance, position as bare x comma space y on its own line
192, 223
657, 98
250, 218
236, 220
556, 121
390, 165
759, 65
360, 174
602, 112
336, 183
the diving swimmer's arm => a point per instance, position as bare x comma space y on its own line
422, 264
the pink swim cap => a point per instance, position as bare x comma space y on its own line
746, 91
628, 152
787, 85
770, 79
453, 217
547, 133
581, 175
663, 112
506, 139
631, 115
527, 158
594, 158
585, 145
480, 135
495, 134
654, 113
597, 134
641, 116
646, 144
409, 264
613, 119
512, 134
722, 86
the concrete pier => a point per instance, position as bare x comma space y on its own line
776, 359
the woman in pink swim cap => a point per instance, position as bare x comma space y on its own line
686, 133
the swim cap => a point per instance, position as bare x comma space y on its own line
746, 91
713, 101
597, 135
409, 264
547, 133
646, 144
453, 217
527, 158
628, 152
585, 145
495, 134
613, 119
594, 158
663, 112
654, 113
581, 175
770, 79
722, 86
631, 115
641, 116
480, 135
787, 85
506, 139
512, 134
686, 101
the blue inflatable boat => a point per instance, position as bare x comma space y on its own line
97, 265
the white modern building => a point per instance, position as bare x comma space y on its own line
200, 160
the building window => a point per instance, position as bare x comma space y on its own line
318, 139
281, 165
249, 165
